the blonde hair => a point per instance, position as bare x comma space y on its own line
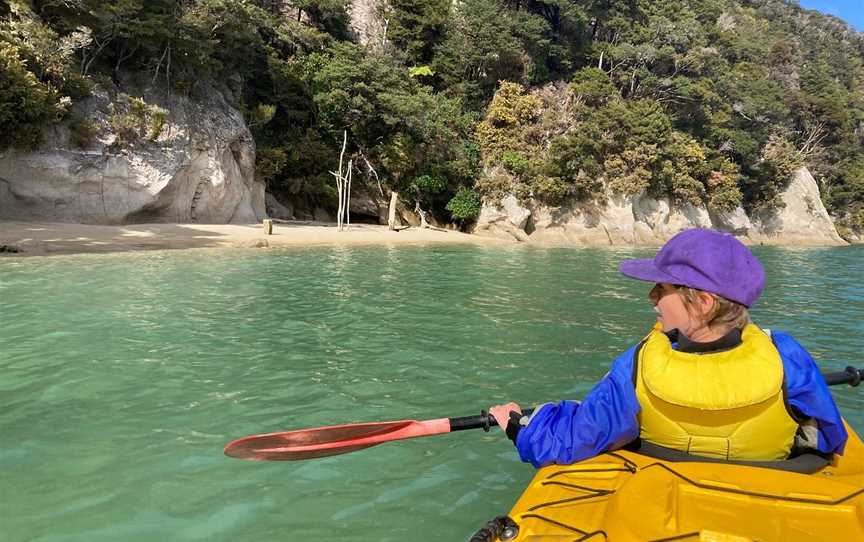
726, 314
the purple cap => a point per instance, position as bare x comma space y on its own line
705, 260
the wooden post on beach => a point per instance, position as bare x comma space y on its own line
391, 211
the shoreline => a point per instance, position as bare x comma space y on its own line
22, 239
26, 239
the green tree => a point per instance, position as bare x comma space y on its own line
416, 27
26, 104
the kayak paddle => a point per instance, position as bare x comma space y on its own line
346, 438
342, 439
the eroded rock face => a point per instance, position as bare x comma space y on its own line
802, 221
642, 220
275, 208
367, 24
199, 168
507, 219
608, 222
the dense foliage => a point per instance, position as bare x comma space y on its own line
704, 101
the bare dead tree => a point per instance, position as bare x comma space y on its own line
813, 137
371, 170
339, 179
343, 185
421, 213
348, 195
87, 61
159, 65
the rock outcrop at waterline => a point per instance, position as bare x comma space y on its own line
641, 220
199, 166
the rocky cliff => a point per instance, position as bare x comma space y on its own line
641, 220
367, 22
153, 159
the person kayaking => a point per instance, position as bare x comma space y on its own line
705, 381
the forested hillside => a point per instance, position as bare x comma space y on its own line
712, 101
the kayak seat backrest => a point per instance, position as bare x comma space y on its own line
806, 463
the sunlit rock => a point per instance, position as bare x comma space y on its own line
802, 220
199, 167
508, 219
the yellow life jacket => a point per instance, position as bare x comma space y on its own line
728, 404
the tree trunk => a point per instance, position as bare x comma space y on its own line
341, 184
391, 213
421, 213
348, 195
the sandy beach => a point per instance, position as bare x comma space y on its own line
39, 238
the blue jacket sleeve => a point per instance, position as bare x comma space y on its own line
571, 431
807, 392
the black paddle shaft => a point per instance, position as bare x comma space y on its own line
483, 421
850, 375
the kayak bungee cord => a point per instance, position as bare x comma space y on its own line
630, 467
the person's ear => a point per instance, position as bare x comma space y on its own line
706, 303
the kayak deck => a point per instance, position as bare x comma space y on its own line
623, 496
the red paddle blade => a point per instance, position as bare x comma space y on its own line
331, 440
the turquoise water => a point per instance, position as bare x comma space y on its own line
123, 376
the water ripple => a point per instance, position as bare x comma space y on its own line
124, 375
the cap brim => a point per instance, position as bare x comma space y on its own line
645, 270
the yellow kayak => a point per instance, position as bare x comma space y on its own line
626, 496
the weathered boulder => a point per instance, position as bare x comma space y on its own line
802, 220
643, 220
607, 222
615, 220
735, 221
367, 204
276, 209
200, 167
658, 220
507, 219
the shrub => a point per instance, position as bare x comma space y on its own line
26, 105
125, 127
723, 191
494, 188
682, 170
465, 205
430, 184
593, 86
132, 118
269, 163
261, 114
515, 163
683, 188
137, 107
77, 86
572, 159
781, 158
509, 114
551, 190
158, 115
630, 172
778, 160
